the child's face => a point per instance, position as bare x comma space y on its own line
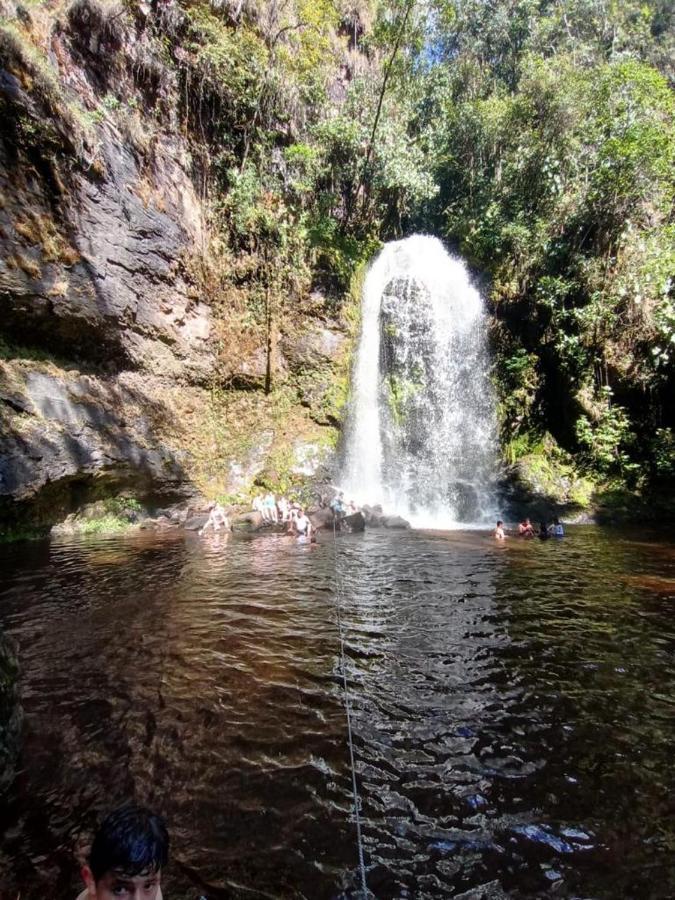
118, 886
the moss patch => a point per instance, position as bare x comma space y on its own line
22, 533
548, 472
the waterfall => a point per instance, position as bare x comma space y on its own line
421, 430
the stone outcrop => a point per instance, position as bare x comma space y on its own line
310, 356
248, 521
112, 323
66, 439
100, 272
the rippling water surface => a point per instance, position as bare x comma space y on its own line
513, 710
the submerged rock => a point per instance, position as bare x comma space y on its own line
11, 715
194, 523
248, 521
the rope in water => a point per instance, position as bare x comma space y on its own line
348, 712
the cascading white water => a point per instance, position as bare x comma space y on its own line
421, 433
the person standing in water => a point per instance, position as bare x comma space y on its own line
127, 857
500, 534
302, 525
525, 529
556, 529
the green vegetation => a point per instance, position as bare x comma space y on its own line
541, 142
536, 137
555, 148
22, 533
103, 524
400, 392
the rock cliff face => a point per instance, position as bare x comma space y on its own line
98, 272
97, 231
108, 341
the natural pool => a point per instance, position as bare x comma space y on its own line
513, 710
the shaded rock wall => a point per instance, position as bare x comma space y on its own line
68, 438
99, 231
110, 343
96, 269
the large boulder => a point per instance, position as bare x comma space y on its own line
355, 522
373, 516
78, 438
248, 521
395, 522
194, 523
318, 344
322, 518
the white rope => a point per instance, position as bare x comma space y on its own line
348, 711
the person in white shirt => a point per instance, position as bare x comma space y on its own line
217, 519
302, 525
259, 506
283, 509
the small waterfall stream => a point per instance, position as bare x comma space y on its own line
421, 433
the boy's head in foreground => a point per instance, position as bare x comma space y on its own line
129, 851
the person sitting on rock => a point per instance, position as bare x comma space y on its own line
127, 856
259, 506
271, 504
217, 519
526, 529
283, 509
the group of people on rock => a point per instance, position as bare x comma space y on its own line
341, 507
527, 530
275, 511
279, 510
285, 512
271, 509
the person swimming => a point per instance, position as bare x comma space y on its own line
128, 854
526, 529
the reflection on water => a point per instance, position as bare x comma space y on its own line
513, 712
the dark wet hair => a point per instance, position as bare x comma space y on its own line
132, 840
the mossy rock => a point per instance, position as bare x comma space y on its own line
541, 485
616, 504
